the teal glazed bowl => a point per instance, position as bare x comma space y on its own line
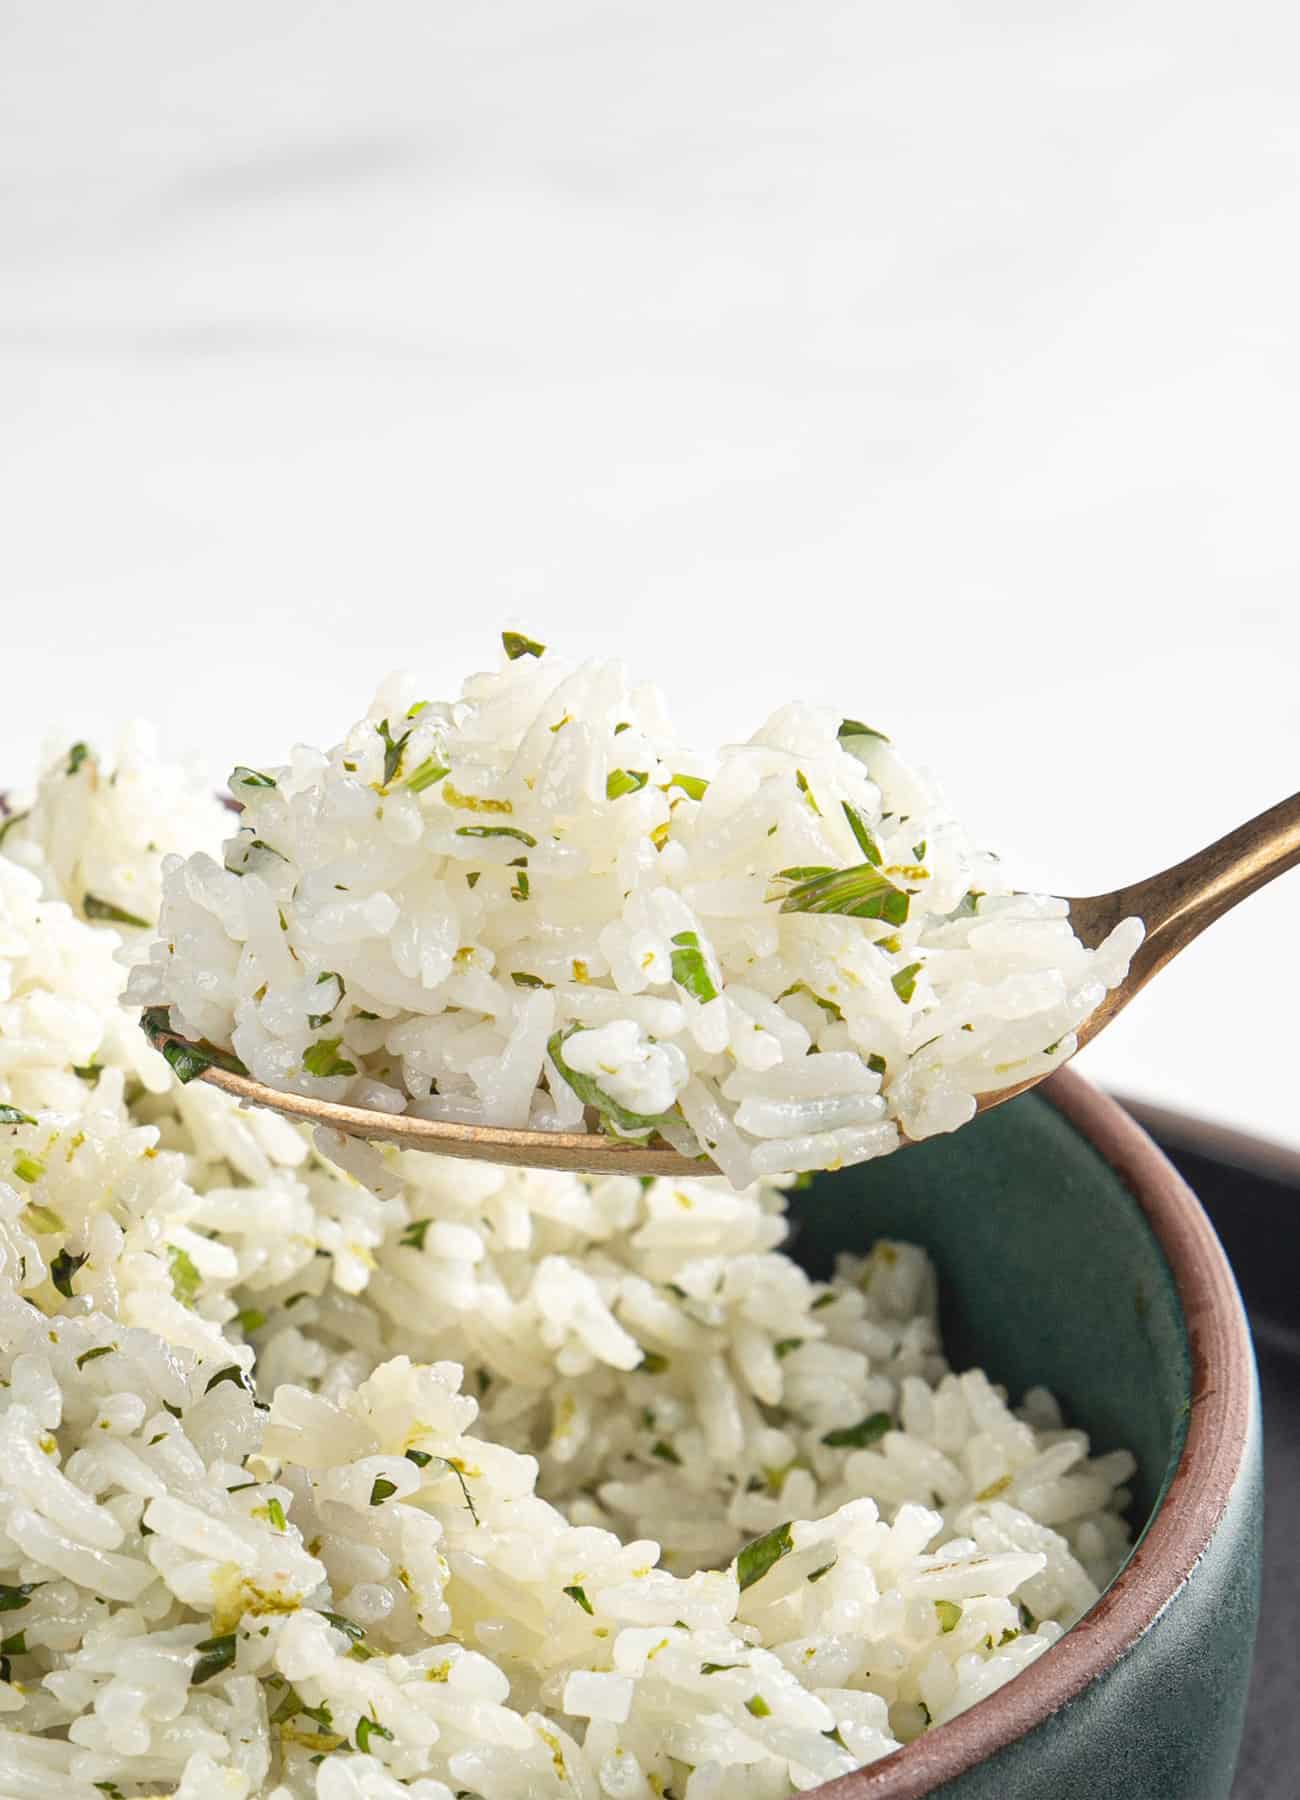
1071, 1253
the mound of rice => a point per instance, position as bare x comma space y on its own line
512, 1484
531, 908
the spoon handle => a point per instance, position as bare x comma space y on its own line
1179, 903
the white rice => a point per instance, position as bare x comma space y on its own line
531, 900
477, 1531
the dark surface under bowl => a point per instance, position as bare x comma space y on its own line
1095, 1275
1251, 1191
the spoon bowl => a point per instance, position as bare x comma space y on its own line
1175, 906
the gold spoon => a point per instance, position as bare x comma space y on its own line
1175, 906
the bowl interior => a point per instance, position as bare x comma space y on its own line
1048, 1273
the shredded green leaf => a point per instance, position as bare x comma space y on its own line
233, 1373
759, 1556
346, 1626
522, 979
91, 1355
862, 832
381, 1491
414, 1234
88, 1072
720, 1668
63, 1268
824, 1570
860, 892
322, 1059
254, 778
95, 908
785, 1347
515, 645
801, 782
275, 1513
866, 1432
368, 1728
28, 1168
393, 748
421, 1458
13, 1599
968, 905
876, 1063
693, 786
186, 1280
627, 1124
427, 773
76, 756
7, 825
904, 982
949, 1615
690, 970
624, 781
579, 1595
11, 1115
215, 1654
851, 728
491, 831
519, 890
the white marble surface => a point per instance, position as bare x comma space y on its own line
940, 363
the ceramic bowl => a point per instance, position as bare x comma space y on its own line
1070, 1253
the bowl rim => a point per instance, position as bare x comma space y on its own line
1179, 1532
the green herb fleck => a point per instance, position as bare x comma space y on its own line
824, 1570
186, 1280
823, 1300
758, 1706
215, 1654
801, 782
414, 1234
690, 969
854, 728
858, 1437
862, 832
254, 778
232, 1373
785, 1346
95, 908
904, 982
28, 1168
968, 905
759, 1556
624, 781
719, 1668
88, 1072
322, 1059
428, 772
693, 786
13, 1599
666, 1453
652, 1363
346, 1626
250, 1318
91, 1355
949, 1615
393, 748
860, 892
275, 1514
368, 1728
381, 1491
876, 1063
63, 1268
493, 831
522, 979
10, 1115
515, 645
627, 1124
579, 1595
520, 889
76, 756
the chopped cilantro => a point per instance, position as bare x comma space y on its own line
215, 1654
381, 1491
904, 982
627, 1124
758, 1556
862, 832
428, 772
515, 645
624, 781
95, 908
413, 1235
690, 970
322, 1059
76, 756
63, 1268
858, 1437
393, 748
491, 831
522, 979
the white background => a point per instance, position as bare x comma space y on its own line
939, 363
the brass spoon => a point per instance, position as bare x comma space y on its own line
1175, 906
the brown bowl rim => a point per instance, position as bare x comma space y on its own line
1198, 1493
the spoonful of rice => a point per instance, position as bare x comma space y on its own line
527, 927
